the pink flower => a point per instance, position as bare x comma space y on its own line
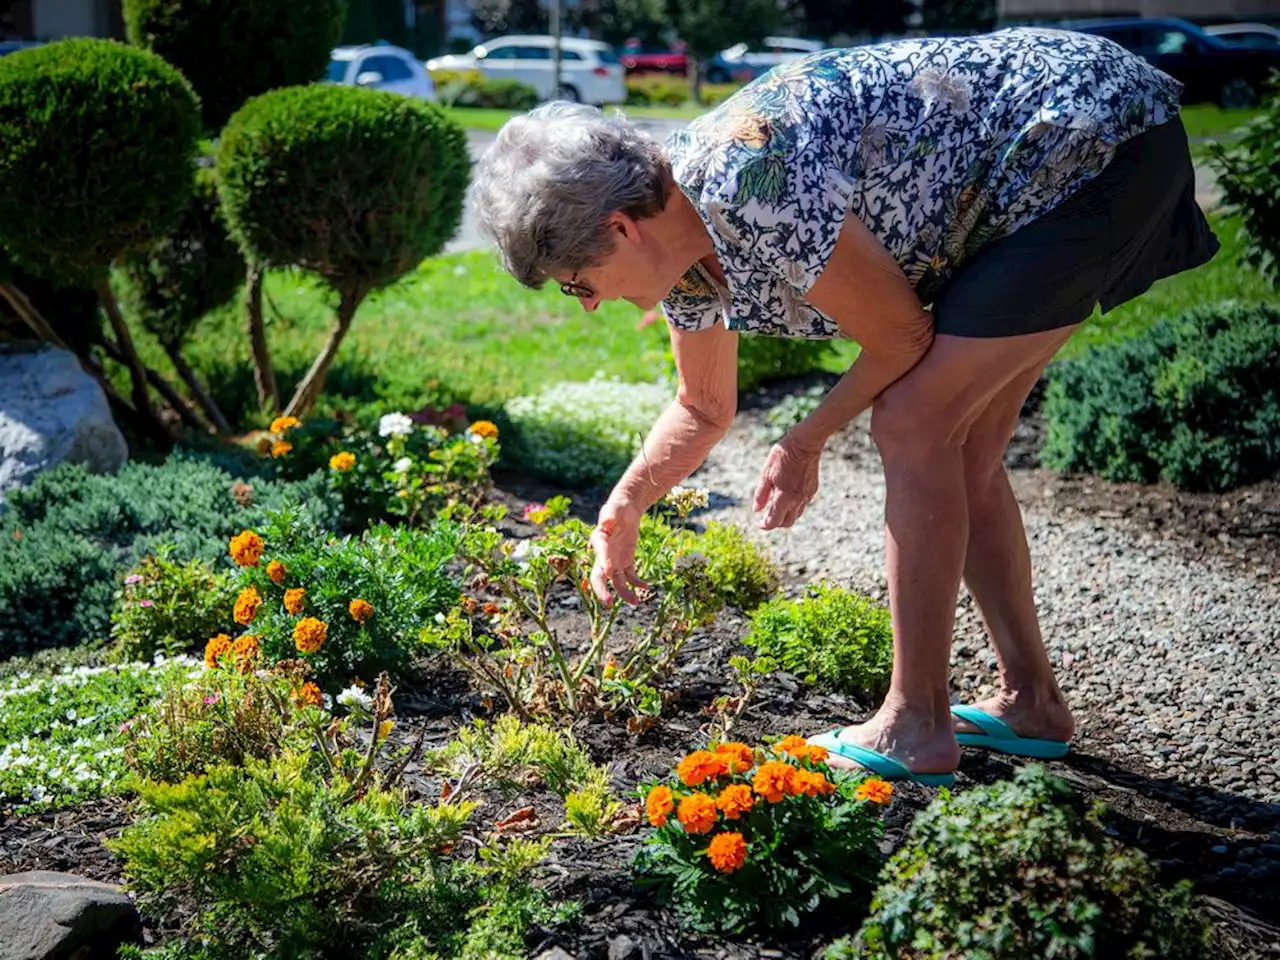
531, 509
146, 603
133, 578
210, 700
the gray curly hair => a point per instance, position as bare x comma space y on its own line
545, 190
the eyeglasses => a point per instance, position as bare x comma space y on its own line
572, 288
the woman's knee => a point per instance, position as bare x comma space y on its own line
907, 422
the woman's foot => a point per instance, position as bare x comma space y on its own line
919, 741
1037, 717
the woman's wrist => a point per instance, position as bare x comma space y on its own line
620, 510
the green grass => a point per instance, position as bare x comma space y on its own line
1208, 122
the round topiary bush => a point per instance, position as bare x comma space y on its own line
98, 140
233, 51
352, 184
1020, 869
1194, 401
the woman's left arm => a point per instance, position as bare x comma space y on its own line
865, 292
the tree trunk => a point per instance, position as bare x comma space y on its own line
163, 387
26, 310
309, 389
695, 76
137, 373
198, 390
264, 376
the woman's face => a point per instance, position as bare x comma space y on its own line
634, 271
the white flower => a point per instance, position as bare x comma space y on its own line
355, 700
474, 437
395, 425
403, 464
440, 618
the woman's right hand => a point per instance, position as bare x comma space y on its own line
614, 541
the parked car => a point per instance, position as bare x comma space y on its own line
590, 71
382, 67
13, 46
741, 63
641, 58
1246, 34
1212, 70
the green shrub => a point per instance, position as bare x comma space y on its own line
354, 185
362, 602
584, 433
471, 88
1194, 401
742, 574
762, 359
657, 90
1020, 869
61, 740
98, 140
68, 539
792, 409
1248, 174
233, 51
170, 607
831, 638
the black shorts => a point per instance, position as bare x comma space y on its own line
1134, 223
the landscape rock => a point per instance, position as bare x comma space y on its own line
60, 916
52, 412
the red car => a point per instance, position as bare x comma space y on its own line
640, 57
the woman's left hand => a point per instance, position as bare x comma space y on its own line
788, 483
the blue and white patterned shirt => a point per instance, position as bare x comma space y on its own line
939, 146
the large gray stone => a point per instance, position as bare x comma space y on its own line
59, 916
52, 412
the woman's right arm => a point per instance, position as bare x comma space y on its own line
698, 418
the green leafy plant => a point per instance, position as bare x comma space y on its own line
513, 648
61, 740
471, 88
303, 178
349, 607
1248, 174
67, 540
743, 576
170, 607
1022, 869
830, 637
760, 837
580, 434
762, 359
791, 410
726, 710
1193, 401
233, 52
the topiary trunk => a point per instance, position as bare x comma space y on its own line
202, 396
309, 389
264, 377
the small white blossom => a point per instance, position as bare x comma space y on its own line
355, 700
395, 425
403, 464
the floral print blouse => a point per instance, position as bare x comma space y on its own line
938, 145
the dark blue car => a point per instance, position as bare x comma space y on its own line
1212, 70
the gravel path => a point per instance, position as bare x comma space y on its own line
1170, 665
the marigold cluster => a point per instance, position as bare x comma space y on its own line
738, 757
697, 813
700, 766
484, 428
877, 791
309, 695
246, 549
276, 572
360, 610
247, 605
812, 783
215, 649
798, 748
775, 780
284, 424
245, 652
309, 634
735, 800
342, 461
727, 852
658, 805
294, 600
281, 448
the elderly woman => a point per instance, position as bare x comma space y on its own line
1010, 182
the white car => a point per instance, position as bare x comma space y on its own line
590, 71
1246, 34
741, 63
382, 67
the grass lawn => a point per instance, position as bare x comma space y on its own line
1204, 121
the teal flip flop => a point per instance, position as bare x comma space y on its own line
999, 736
878, 763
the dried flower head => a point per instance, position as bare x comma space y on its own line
360, 610
727, 852
246, 548
342, 461
242, 493
735, 800
309, 634
684, 500
295, 599
215, 649
697, 813
247, 605
658, 805
775, 780
276, 572
263, 446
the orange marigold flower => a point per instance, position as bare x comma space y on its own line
247, 604
385, 728
791, 745
276, 571
491, 609
658, 805
246, 548
727, 852
877, 791
360, 610
775, 780
309, 635
468, 605
281, 448
697, 813
284, 424
813, 753
700, 766
294, 599
812, 783
738, 756
342, 461
245, 651
483, 428
309, 695
735, 800
215, 649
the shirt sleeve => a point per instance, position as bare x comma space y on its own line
689, 311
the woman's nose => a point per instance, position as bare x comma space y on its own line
589, 304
